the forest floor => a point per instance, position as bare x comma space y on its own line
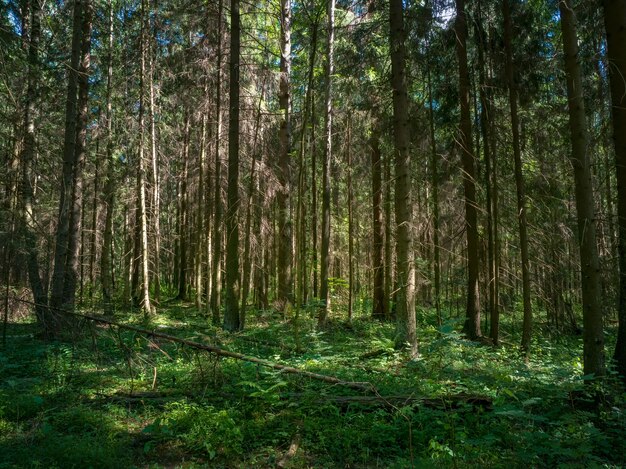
115, 398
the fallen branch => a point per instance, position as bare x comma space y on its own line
449, 402
364, 386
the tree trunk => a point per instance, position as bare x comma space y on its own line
379, 307
351, 284
328, 151
232, 320
614, 21
183, 215
434, 180
472, 312
405, 308
57, 299
490, 194
141, 173
593, 333
216, 280
285, 246
519, 178
27, 158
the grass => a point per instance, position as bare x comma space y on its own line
116, 399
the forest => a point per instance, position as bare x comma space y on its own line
312, 233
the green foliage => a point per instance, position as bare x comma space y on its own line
69, 406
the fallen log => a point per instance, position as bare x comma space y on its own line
363, 386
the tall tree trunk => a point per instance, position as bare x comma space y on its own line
593, 331
57, 299
216, 279
73, 260
379, 306
27, 158
351, 285
285, 247
328, 151
615, 24
93, 237
519, 178
388, 205
472, 312
405, 308
232, 320
200, 221
434, 180
485, 130
183, 215
247, 257
156, 180
141, 172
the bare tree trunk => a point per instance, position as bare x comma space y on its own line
27, 158
405, 308
614, 17
183, 215
199, 241
472, 312
519, 178
434, 180
328, 151
390, 306
57, 299
217, 202
156, 182
285, 246
593, 331
232, 319
490, 195
141, 173
351, 285
247, 257
380, 303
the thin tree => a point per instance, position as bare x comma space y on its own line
472, 312
141, 171
285, 246
216, 279
326, 165
519, 177
106, 274
379, 304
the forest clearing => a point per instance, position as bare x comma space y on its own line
312, 233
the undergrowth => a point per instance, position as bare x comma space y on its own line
114, 398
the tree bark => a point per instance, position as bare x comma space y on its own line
326, 165
216, 280
27, 159
285, 246
232, 320
141, 172
57, 299
593, 331
379, 306
615, 25
519, 178
472, 312
405, 307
